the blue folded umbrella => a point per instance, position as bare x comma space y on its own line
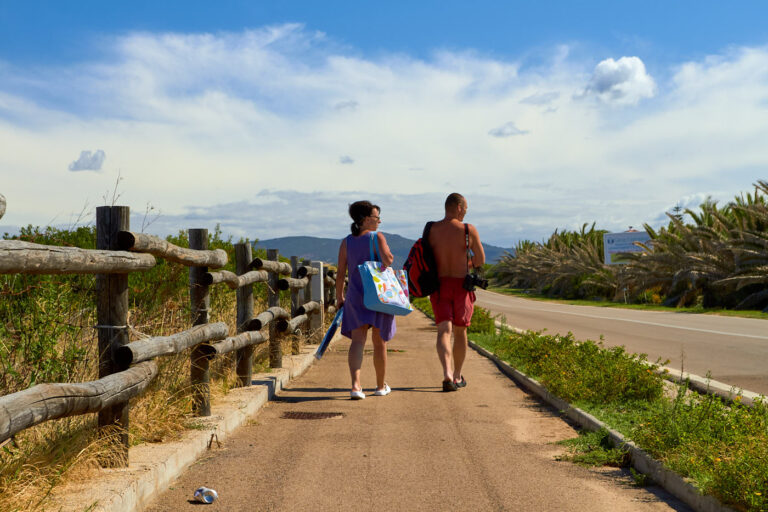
330, 333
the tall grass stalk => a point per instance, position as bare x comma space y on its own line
47, 335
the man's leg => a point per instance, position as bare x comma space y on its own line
379, 357
459, 350
444, 352
355, 356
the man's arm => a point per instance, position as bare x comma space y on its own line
478, 254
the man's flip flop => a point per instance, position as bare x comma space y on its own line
449, 385
462, 383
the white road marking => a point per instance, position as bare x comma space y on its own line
755, 336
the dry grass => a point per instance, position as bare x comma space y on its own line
70, 450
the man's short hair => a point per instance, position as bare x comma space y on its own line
453, 201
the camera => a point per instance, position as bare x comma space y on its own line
473, 280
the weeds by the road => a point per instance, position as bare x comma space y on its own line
722, 447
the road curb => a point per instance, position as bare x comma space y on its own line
641, 461
153, 467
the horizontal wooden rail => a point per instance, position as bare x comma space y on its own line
309, 307
143, 350
51, 401
17, 257
280, 267
233, 280
291, 325
290, 283
140, 242
233, 343
262, 319
329, 281
305, 271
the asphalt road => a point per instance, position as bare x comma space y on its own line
487, 447
734, 350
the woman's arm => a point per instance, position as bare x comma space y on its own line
341, 273
386, 254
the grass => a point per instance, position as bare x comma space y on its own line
722, 448
46, 335
517, 292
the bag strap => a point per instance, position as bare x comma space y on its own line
371, 241
466, 242
425, 233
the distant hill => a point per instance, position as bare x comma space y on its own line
327, 249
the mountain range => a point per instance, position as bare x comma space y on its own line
327, 249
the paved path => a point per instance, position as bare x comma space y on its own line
733, 349
485, 447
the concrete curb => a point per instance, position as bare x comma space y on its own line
642, 462
153, 467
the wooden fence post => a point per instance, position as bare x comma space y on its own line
273, 299
112, 320
297, 300
200, 301
307, 292
296, 294
244, 313
318, 293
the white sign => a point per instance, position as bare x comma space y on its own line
615, 243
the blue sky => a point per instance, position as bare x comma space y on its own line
544, 114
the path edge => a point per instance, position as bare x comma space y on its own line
640, 460
143, 481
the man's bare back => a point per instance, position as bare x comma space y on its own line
446, 238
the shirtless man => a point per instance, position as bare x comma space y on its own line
452, 304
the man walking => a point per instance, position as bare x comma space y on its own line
451, 240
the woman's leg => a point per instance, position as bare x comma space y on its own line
379, 357
355, 355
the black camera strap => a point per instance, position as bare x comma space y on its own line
466, 241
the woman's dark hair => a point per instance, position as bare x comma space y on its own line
359, 210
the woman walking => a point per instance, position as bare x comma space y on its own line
357, 320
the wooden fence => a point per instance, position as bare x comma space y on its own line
126, 368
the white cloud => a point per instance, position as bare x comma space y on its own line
541, 98
622, 82
346, 105
507, 130
200, 119
89, 161
346, 160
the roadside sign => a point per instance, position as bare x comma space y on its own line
615, 243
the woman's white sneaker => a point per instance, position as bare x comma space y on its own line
383, 392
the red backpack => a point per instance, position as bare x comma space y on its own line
421, 267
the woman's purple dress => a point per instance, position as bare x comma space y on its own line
355, 313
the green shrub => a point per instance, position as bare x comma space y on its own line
722, 447
579, 371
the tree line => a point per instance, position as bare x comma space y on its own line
712, 257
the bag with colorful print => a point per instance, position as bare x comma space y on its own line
385, 291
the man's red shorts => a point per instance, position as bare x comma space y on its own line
452, 302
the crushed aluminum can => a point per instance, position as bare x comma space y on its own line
206, 495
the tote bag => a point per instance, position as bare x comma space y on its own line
385, 291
